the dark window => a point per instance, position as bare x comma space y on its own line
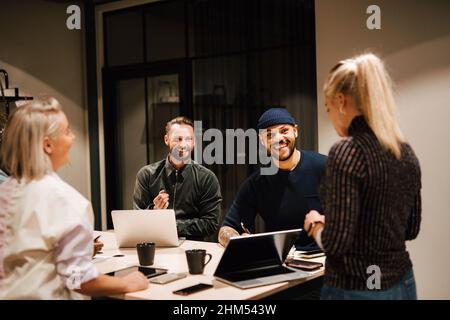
220, 61
165, 31
123, 35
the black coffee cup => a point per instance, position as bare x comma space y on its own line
146, 253
196, 260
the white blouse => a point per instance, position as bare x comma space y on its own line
46, 239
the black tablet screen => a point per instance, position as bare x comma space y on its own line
147, 271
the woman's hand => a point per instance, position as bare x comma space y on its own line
98, 245
135, 281
313, 216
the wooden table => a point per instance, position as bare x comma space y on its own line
174, 259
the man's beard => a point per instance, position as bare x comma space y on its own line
175, 153
290, 146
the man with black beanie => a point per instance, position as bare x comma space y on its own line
284, 198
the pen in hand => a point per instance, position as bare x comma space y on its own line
97, 246
245, 229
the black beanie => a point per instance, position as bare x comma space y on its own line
275, 116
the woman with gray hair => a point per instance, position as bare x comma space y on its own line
46, 231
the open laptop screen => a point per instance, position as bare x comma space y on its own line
135, 226
256, 251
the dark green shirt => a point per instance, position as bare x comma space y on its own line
194, 194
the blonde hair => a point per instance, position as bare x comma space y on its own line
23, 152
366, 80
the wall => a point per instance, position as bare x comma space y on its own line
415, 43
43, 57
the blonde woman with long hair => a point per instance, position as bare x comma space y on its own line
371, 192
46, 232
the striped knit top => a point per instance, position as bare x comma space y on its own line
372, 205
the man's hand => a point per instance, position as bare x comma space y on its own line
225, 233
162, 200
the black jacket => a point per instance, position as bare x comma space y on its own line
194, 194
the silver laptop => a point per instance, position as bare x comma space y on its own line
135, 226
257, 260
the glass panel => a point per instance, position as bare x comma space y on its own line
123, 35
221, 102
164, 105
218, 26
283, 77
165, 31
131, 144
281, 22
229, 26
